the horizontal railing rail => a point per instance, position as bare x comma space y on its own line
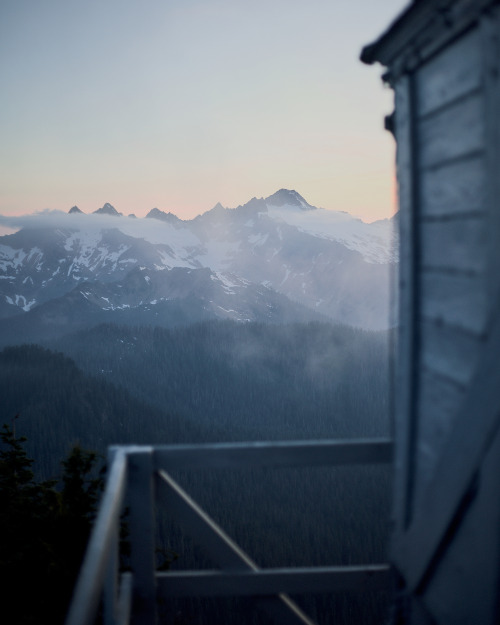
273, 581
274, 454
135, 469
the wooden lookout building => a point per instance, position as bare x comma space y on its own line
443, 62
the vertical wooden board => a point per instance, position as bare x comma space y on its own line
439, 402
451, 74
450, 352
453, 132
491, 51
404, 175
455, 299
464, 587
454, 189
142, 536
454, 244
403, 370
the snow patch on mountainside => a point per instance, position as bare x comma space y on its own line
374, 241
21, 302
170, 259
10, 258
229, 282
85, 241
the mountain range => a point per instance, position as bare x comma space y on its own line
274, 259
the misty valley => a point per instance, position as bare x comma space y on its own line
206, 354
222, 381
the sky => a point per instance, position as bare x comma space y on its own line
180, 104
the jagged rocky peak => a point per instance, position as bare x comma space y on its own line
75, 209
156, 213
288, 197
218, 207
107, 209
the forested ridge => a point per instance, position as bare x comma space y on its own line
227, 381
59, 405
252, 380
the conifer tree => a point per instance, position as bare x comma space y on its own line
43, 532
17, 487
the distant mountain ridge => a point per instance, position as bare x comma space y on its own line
269, 259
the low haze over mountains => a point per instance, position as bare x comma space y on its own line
276, 259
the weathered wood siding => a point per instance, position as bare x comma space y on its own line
448, 135
452, 309
444, 312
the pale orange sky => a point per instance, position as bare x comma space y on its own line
183, 104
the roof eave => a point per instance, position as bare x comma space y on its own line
411, 21
424, 28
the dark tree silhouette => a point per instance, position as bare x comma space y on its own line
43, 531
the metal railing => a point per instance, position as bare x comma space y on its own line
140, 469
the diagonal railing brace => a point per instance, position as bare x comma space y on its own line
223, 549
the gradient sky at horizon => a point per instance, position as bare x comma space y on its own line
180, 104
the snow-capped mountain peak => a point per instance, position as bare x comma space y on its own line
327, 261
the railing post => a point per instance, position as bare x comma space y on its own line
110, 596
142, 536
94, 569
